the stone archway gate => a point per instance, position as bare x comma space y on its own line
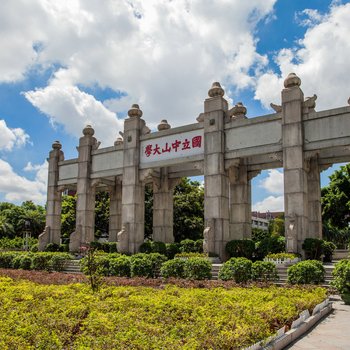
224, 146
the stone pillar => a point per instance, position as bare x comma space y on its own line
295, 167
52, 233
314, 190
85, 212
163, 207
115, 210
216, 183
240, 203
133, 193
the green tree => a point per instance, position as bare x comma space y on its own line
188, 210
101, 213
276, 226
68, 215
6, 228
336, 199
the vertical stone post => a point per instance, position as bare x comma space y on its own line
240, 203
52, 233
216, 183
163, 207
314, 190
115, 210
133, 193
295, 168
85, 212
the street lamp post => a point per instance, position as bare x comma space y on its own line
27, 231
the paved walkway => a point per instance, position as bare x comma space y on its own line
332, 333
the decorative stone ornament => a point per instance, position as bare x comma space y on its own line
238, 111
135, 111
56, 145
119, 141
88, 131
216, 90
292, 80
163, 125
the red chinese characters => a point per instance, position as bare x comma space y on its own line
174, 146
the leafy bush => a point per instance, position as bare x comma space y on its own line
16, 243
328, 250
273, 244
240, 248
313, 248
57, 261
153, 247
264, 271
197, 269
25, 262
188, 246
34, 248
238, 269
52, 247
172, 249
146, 247
306, 272
173, 268
341, 276
120, 266
146, 265
41, 261
191, 255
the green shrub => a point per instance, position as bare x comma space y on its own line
146, 247
16, 261
41, 261
34, 248
264, 271
120, 266
173, 268
328, 250
6, 259
199, 245
197, 269
341, 276
153, 247
57, 261
313, 248
96, 245
270, 245
306, 272
146, 265
237, 269
188, 246
112, 247
240, 248
191, 255
52, 247
25, 262
172, 249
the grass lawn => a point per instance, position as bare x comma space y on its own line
38, 316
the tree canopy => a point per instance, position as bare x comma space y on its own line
336, 199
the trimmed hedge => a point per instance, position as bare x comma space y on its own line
313, 248
306, 272
146, 265
341, 276
237, 269
120, 266
197, 268
173, 268
270, 245
264, 271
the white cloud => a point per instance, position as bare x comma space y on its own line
18, 188
270, 203
163, 54
75, 109
273, 183
320, 60
11, 138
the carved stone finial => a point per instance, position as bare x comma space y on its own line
56, 145
163, 125
310, 102
349, 101
135, 111
292, 80
88, 131
118, 141
276, 108
238, 111
216, 90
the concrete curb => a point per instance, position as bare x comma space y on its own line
282, 339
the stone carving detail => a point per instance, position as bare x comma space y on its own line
200, 118
44, 238
276, 108
163, 125
208, 238
135, 111
239, 111
310, 104
292, 80
123, 239
118, 141
216, 90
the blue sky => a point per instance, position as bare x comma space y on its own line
65, 64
